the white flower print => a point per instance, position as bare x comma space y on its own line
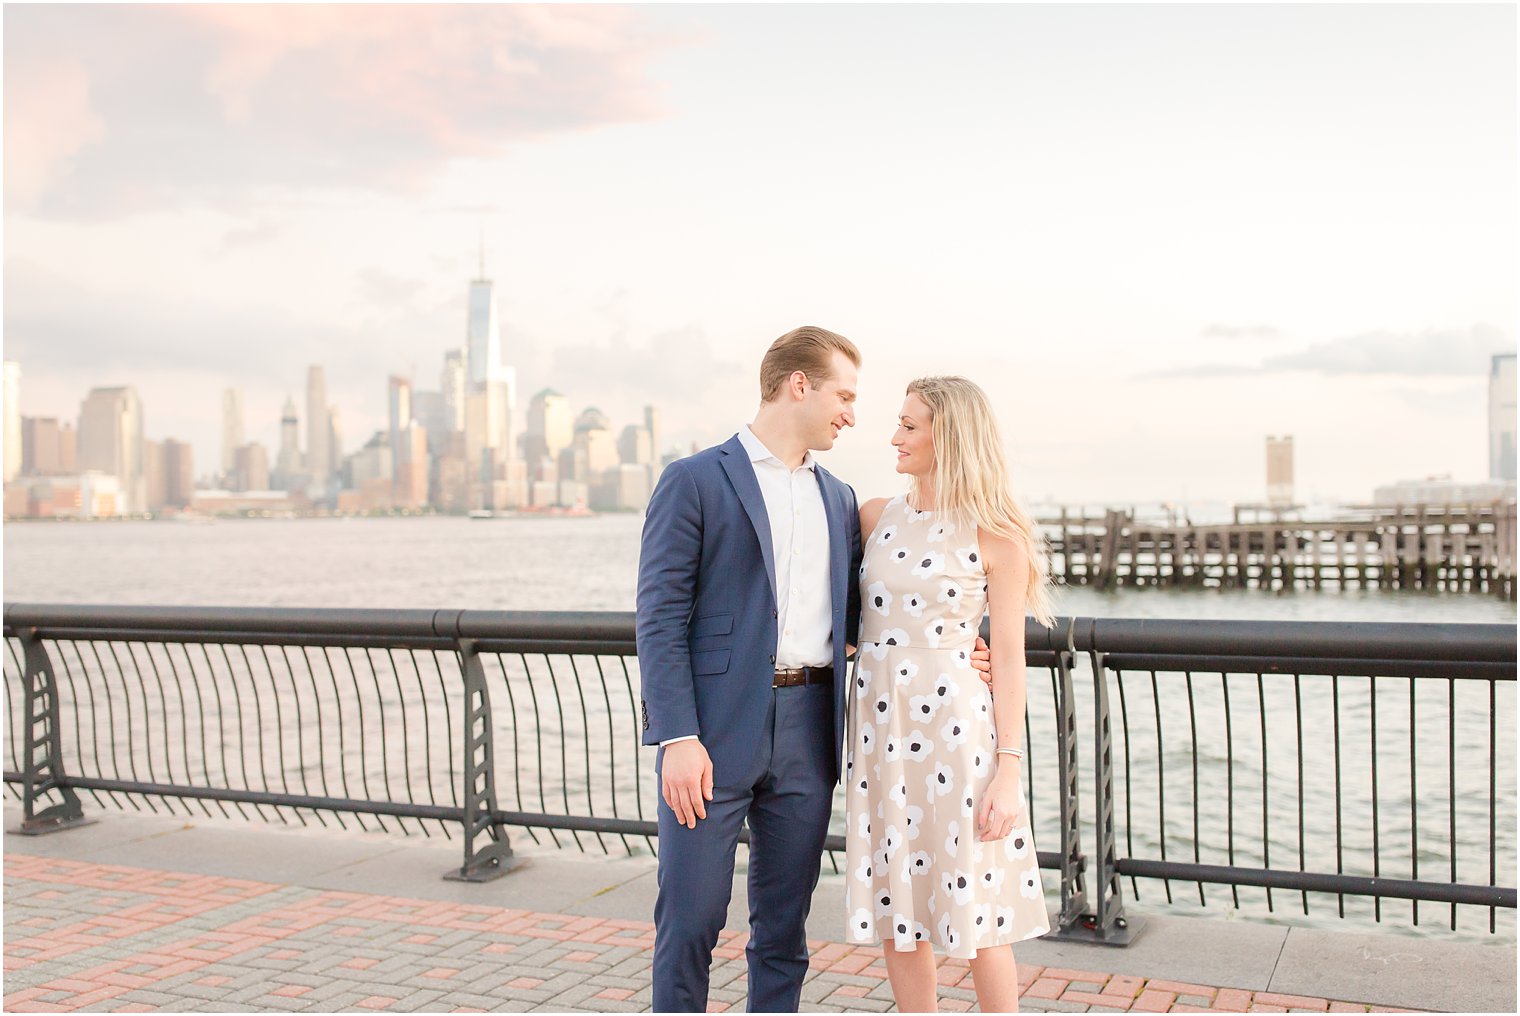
877, 650
900, 555
867, 739
891, 748
918, 863
939, 780
1016, 844
894, 637
947, 934
920, 932
945, 688
933, 632
882, 707
978, 852
902, 932
981, 919
992, 879
883, 903
940, 530
913, 604
890, 843
906, 671
863, 826
1004, 919
878, 599
931, 563
950, 592
960, 886
898, 792
1029, 886
962, 658
921, 708
915, 817
984, 705
860, 925
981, 761
863, 870
953, 838
968, 806
916, 747
862, 682
886, 536
953, 732
862, 786
969, 558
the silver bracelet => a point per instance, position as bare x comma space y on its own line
1015, 752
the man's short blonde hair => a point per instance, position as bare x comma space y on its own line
808, 349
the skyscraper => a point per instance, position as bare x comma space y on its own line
452, 386
232, 429
489, 404
399, 402
550, 427
111, 441
288, 461
12, 420
652, 424
319, 459
1501, 417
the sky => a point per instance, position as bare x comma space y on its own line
1154, 234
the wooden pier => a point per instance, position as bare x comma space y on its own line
1450, 548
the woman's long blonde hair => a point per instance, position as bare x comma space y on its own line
971, 476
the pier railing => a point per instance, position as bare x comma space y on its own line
1363, 767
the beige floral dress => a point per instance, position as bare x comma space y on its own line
920, 753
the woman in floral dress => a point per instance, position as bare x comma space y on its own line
938, 837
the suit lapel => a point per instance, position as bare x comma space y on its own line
839, 540
741, 473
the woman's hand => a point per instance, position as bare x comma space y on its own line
1002, 807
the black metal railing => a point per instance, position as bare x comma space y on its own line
1246, 755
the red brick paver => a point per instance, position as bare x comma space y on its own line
113, 956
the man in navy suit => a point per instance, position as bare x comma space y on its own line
747, 601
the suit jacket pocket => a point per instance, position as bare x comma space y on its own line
712, 624
714, 661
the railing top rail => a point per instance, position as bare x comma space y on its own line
1326, 640
1244, 641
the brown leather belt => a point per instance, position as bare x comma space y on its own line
803, 675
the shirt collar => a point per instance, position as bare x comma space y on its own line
759, 453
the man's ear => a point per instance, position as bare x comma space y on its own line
797, 383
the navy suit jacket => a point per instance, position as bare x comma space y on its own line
707, 607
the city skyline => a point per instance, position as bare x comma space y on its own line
1148, 239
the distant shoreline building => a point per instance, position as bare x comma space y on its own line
1501, 417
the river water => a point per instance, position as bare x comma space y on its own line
590, 563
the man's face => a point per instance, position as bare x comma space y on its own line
829, 407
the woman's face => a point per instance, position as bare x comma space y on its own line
913, 440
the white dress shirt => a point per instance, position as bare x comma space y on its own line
800, 546
800, 542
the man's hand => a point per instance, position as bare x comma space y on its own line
686, 781
981, 659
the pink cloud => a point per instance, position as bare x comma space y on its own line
193, 102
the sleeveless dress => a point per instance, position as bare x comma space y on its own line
920, 753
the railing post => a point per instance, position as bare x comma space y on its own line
1108, 924
478, 795
1073, 887
43, 774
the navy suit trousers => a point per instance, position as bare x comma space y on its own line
786, 797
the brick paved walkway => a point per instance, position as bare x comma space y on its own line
110, 938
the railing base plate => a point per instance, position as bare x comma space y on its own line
43, 826
486, 872
1117, 936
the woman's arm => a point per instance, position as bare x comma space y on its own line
1007, 564
870, 514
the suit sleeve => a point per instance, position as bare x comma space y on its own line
670, 555
852, 596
